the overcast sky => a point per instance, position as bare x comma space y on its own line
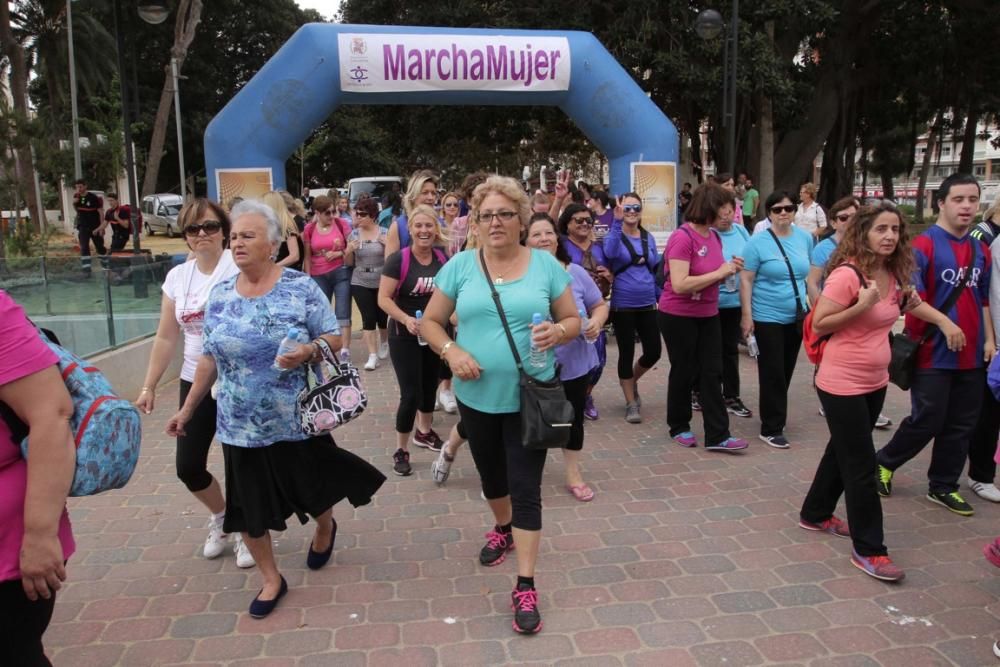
328, 8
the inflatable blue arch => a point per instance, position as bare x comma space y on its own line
323, 66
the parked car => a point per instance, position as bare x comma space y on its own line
160, 213
374, 186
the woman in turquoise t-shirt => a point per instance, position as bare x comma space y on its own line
773, 308
486, 378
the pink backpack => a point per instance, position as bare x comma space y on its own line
405, 268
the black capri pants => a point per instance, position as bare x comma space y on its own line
628, 322
24, 622
416, 369
576, 394
371, 314
192, 449
506, 467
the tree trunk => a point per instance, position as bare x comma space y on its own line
188, 17
19, 91
925, 165
965, 165
765, 133
888, 187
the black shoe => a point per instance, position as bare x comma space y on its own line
401, 463
524, 604
953, 502
695, 401
261, 608
498, 543
734, 406
317, 559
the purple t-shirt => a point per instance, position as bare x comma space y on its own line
578, 357
704, 256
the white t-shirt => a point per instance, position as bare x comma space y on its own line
810, 218
189, 288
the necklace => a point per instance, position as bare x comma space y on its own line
499, 279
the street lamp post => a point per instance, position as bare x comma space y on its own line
151, 11
177, 116
77, 165
708, 26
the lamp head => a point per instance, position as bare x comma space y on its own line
153, 11
709, 24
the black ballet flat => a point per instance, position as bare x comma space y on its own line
316, 559
261, 608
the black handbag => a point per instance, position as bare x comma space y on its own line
546, 415
903, 359
332, 397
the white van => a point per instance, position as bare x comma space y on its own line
373, 186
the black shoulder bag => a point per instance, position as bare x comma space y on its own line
637, 259
800, 310
904, 349
546, 415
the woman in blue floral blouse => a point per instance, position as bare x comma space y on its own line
273, 469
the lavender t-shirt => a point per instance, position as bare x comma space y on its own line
705, 256
578, 357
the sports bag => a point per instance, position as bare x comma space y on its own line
813, 342
405, 258
107, 430
332, 397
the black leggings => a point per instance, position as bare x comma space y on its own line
506, 467
576, 394
627, 324
192, 449
23, 622
416, 369
371, 314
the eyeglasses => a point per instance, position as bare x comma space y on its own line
451, 204
504, 216
790, 208
209, 227
328, 211
361, 214
588, 221
844, 217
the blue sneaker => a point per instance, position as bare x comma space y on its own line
728, 445
686, 439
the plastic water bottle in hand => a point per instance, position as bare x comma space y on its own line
420, 316
752, 348
584, 323
536, 357
288, 343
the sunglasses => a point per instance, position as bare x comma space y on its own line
328, 211
588, 221
844, 217
451, 204
632, 208
361, 214
209, 227
791, 208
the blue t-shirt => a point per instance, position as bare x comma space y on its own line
634, 286
773, 298
822, 252
577, 357
481, 333
257, 403
733, 242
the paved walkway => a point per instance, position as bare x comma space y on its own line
684, 558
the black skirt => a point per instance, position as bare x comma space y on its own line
266, 485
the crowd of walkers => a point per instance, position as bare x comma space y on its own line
444, 280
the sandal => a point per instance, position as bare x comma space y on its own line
581, 492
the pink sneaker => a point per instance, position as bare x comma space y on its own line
880, 567
833, 525
992, 552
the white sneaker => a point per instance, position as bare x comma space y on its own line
215, 543
883, 421
372, 362
986, 491
383, 350
447, 399
244, 558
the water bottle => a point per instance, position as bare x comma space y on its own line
752, 348
732, 283
288, 343
584, 323
419, 315
536, 358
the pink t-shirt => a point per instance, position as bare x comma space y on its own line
22, 353
704, 255
856, 358
318, 243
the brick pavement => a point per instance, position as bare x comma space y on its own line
684, 558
